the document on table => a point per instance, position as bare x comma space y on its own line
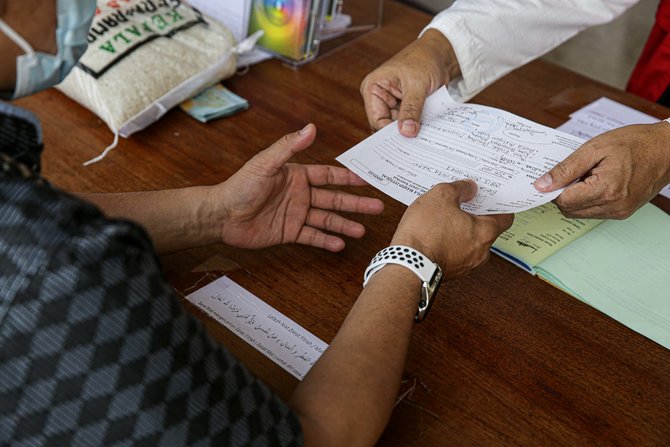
621, 268
281, 339
235, 15
603, 115
502, 152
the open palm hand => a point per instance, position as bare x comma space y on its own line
270, 201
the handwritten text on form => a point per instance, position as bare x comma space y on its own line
502, 152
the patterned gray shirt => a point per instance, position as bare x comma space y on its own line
95, 349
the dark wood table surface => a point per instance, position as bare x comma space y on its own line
504, 357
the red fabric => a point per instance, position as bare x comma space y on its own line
651, 76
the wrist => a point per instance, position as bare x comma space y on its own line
443, 52
399, 276
412, 260
209, 213
417, 244
399, 286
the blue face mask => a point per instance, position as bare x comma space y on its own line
39, 71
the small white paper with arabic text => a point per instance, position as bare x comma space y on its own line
281, 339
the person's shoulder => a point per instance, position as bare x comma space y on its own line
47, 234
37, 217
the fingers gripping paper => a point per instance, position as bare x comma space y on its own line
146, 56
502, 152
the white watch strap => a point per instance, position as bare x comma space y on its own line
401, 255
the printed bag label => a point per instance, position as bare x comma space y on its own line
122, 26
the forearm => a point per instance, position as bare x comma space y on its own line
175, 219
492, 38
442, 49
348, 396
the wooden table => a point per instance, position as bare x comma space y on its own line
503, 359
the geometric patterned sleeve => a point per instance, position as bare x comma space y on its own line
95, 348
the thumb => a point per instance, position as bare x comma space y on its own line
567, 171
283, 149
409, 114
466, 190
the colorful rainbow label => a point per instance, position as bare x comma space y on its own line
285, 25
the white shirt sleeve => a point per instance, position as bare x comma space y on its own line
493, 37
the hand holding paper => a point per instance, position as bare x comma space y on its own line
503, 153
458, 241
621, 168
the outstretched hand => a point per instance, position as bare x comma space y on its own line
270, 201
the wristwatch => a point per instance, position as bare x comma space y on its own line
429, 272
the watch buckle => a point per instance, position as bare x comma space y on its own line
428, 291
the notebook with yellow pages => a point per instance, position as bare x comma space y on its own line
621, 268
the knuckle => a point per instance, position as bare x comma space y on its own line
438, 192
566, 209
613, 194
507, 223
477, 255
328, 221
561, 170
485, 233
443, 188
622, 213
478, 261
492, 236
330, 177
364, 85
577, 213
285, 140
339, 202
410, 109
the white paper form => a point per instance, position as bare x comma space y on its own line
235, 15
502, 152
603, 115
281, 339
